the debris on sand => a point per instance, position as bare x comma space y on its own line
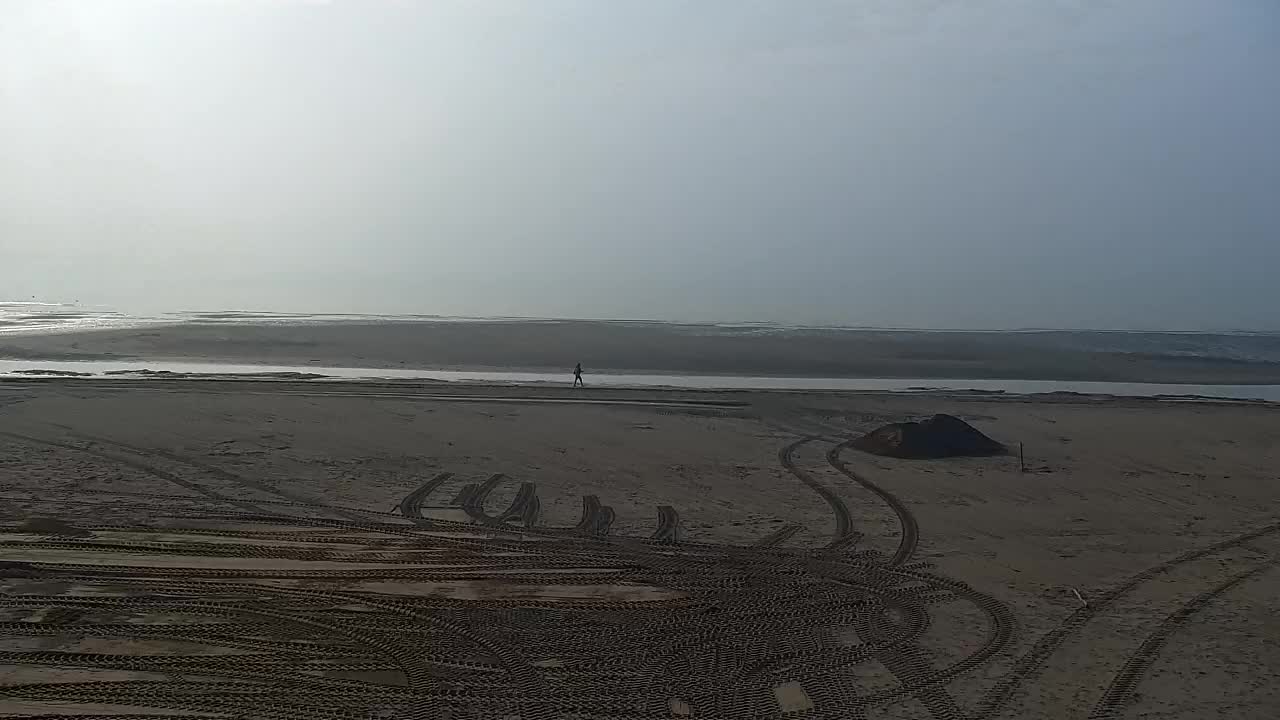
172, 375
52, 526
938, 437
53, 373
13, 569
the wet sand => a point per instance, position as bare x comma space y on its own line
547, 556
680, 349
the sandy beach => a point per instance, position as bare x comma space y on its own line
633, 361
277, 549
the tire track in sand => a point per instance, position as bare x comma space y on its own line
215, 471
908, 662
844, 522
142, 467
906, 520
411, 505
1030, 662
1125, 684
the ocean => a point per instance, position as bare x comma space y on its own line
51, 339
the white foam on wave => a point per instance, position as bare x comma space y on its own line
41, 318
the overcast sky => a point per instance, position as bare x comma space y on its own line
943, 163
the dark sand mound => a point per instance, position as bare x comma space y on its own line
58, 373
939, 436
51, 526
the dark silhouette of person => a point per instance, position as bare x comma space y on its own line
577, 376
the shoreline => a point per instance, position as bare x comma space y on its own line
670, 383
613, 349
213, 366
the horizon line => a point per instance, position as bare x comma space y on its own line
653, 321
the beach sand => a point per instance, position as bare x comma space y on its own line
279, 549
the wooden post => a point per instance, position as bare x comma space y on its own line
1022, 459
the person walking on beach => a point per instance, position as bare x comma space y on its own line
577, 376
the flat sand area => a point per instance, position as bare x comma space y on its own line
342, 550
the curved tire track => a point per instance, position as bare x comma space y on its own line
668, 525
597, 519
473, 503
779, 536
1125, 684
532, 512
907, 662
215, 471
753, 605
140, 466
411, 505
525, 506
1030, 662
844, 521
906, 520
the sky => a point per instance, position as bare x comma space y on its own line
921, 163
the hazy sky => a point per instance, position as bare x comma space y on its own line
944, 163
